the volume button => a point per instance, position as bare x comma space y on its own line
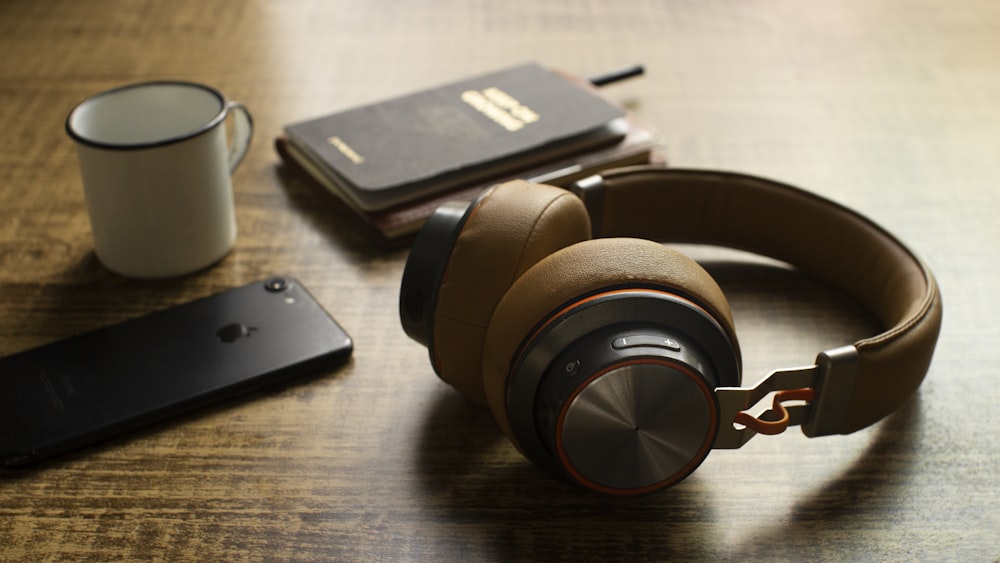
646, 341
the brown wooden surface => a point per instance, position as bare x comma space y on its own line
891, 107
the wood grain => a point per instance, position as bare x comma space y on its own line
890, 107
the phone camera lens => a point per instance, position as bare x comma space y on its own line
276, 285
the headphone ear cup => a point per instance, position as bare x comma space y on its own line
513, 227
575, 273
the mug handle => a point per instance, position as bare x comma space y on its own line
242, 132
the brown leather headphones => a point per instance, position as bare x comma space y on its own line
614, 361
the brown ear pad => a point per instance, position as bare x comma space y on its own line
513, 227
581, 270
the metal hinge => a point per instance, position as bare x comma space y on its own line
815, 397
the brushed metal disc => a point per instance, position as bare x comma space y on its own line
637, 425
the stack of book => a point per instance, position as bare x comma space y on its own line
392, 163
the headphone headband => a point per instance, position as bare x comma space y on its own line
823, 239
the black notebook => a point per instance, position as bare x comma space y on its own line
391, 152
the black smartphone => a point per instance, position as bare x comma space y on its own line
85, 388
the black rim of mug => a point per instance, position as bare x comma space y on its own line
208, 126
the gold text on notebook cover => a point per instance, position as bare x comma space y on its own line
500, 107
345, 149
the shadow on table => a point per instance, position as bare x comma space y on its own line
484, 500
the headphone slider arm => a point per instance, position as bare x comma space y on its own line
590, 190
737, 426
838, 370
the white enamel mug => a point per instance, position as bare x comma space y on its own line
156, 167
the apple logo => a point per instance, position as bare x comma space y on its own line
234, 331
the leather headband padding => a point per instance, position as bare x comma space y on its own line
819, 237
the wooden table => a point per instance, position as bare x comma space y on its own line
890, 107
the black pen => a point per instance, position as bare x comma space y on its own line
617, 75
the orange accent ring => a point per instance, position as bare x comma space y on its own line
596, 296
574, 304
